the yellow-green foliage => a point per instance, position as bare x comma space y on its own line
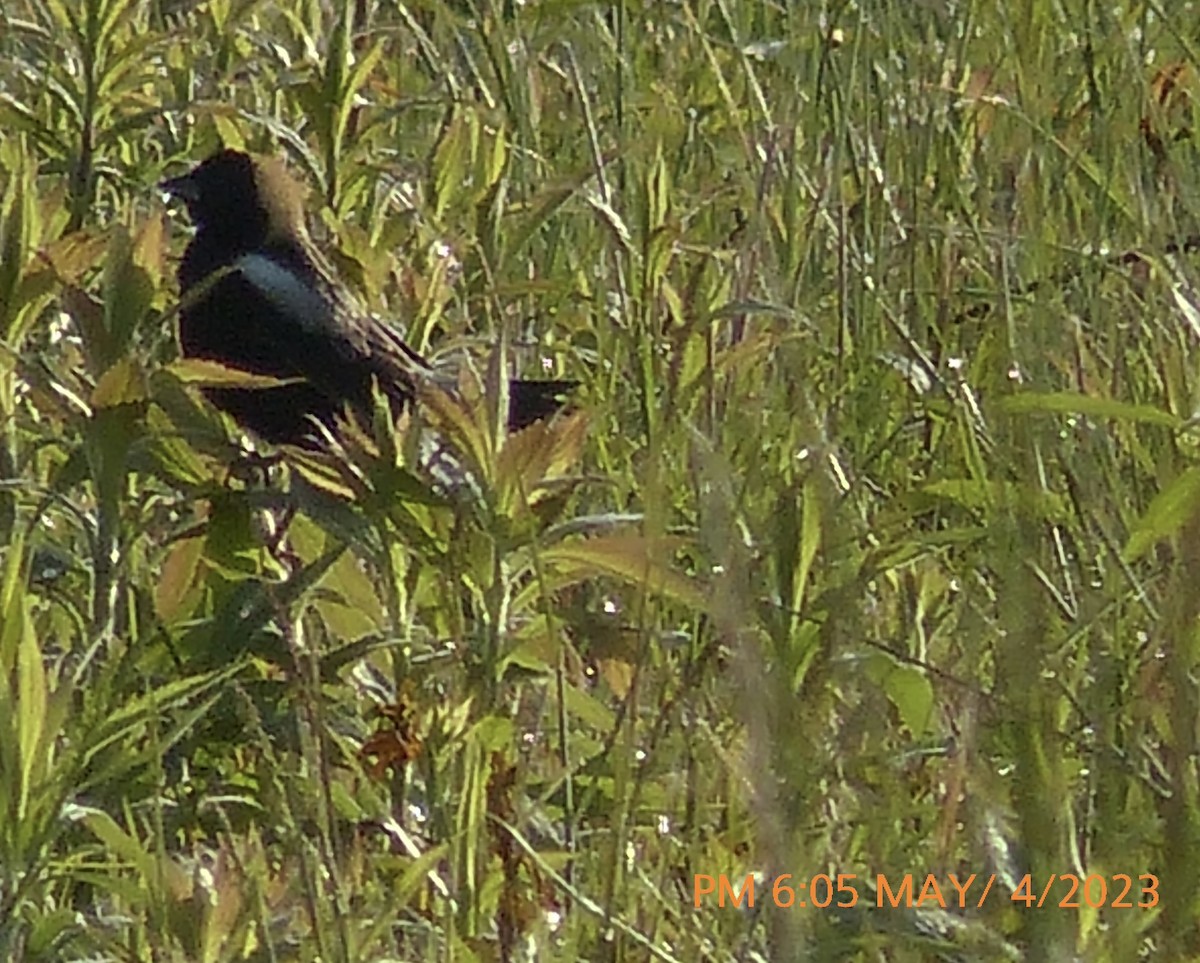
871, 547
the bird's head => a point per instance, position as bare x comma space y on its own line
248, 200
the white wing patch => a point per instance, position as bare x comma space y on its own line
288, 293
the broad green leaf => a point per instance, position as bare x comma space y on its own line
907, 688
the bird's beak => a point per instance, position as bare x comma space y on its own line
183, 187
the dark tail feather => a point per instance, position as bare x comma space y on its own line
530, 401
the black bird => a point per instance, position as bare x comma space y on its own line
268, 304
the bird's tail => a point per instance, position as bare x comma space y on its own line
530, 401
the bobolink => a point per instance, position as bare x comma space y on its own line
276, 309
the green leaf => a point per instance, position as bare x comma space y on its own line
1067, 403
907, 688
1169, 511
128, 290
635, 559
213, 374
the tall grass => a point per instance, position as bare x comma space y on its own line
871, 548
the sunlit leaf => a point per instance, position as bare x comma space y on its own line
633, 559
177, 588
213, 374
122, 384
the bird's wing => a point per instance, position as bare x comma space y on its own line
334, 342
392, 352
305, 303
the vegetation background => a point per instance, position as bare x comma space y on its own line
873, 548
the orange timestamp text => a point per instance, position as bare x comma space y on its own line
845, 890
